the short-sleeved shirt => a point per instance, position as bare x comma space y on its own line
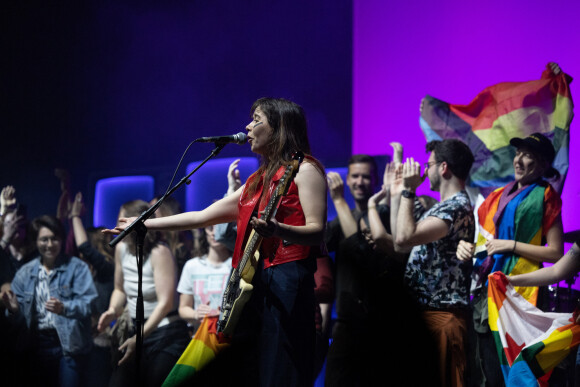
434, 275
205, 281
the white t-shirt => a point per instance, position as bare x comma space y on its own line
205, 281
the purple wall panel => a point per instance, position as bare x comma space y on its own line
113, 192
452, 50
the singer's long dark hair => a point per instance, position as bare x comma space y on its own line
290, 134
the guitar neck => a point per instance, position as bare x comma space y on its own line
255, 238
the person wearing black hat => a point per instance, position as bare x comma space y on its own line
534, 157
520, 226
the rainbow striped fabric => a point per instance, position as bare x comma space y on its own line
203, 348
499, 113
525, 218
530, 343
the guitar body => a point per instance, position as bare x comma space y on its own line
243, 296
239, 287
235, 300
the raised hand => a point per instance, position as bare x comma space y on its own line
412, 174
64, 204
11, 226
335, 185
64, 176
397, 184
397, 152
77, 207
554, 68
377, 197
7, 199
234, 180
390, 174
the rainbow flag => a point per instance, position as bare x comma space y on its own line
203, 348
499, 113
530, 343
526, 218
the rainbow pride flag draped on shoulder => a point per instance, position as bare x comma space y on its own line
499, 113
525, 217
203, 348
530, 343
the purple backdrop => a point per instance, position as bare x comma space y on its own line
452, 50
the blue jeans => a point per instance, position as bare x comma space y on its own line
53, 366
280, 320
274, 341
288, 332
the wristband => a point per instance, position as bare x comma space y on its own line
408, 194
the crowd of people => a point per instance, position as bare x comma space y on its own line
398, 267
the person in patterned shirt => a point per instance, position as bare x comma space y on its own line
436, 279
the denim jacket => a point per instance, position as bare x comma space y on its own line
73, 285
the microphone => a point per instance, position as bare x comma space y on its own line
239, 139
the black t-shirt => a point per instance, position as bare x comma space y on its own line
357, 266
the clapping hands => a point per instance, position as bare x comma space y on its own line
412, 177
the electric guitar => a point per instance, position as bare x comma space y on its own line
239, 287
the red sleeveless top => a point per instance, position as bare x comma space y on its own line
273, 251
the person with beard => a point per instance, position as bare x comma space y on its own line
437, 280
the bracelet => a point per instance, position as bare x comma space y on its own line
514, 249
371, 207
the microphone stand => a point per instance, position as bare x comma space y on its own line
139, 227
